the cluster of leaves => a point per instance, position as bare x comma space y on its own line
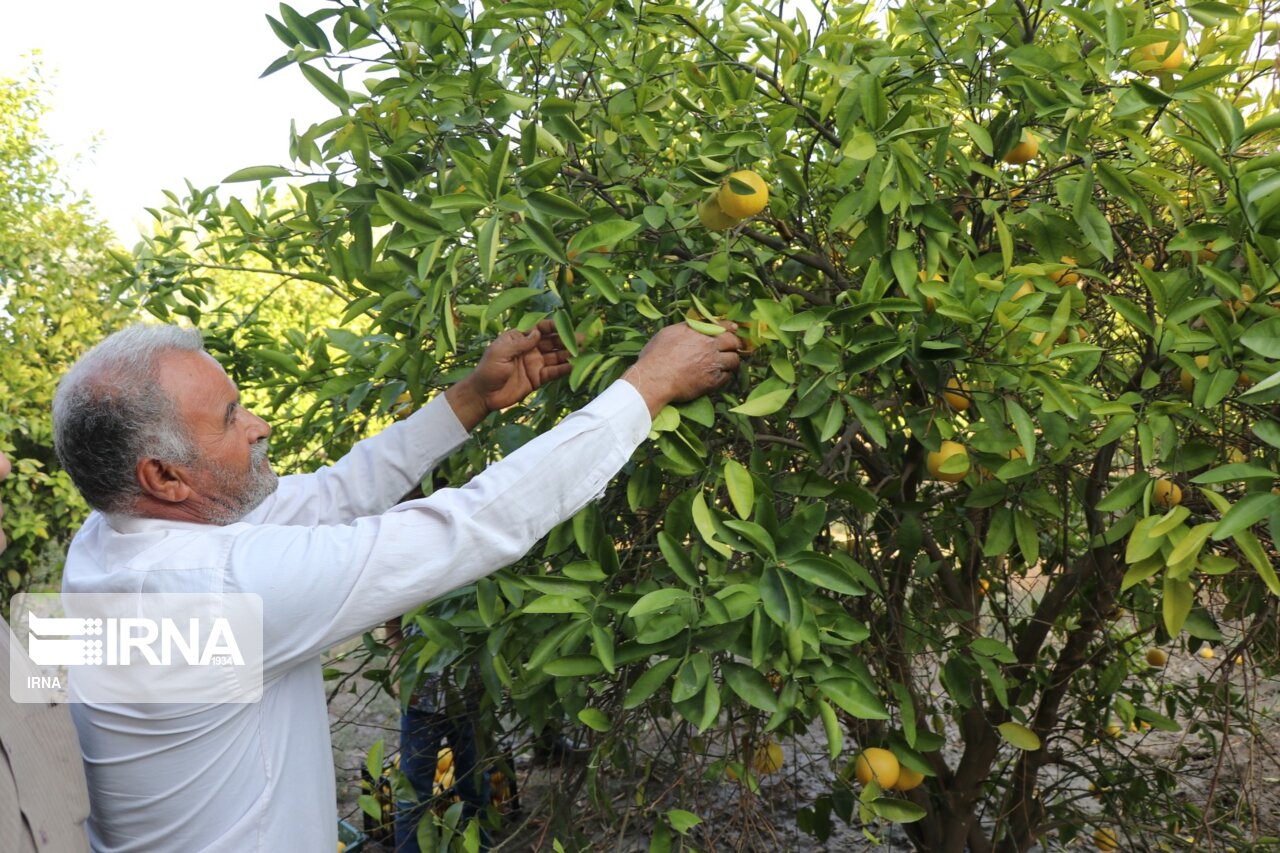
54, 303
781, 555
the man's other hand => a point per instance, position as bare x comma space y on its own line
680, 364
514, 366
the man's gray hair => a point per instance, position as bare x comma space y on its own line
110, 413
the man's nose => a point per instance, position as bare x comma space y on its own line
259, 429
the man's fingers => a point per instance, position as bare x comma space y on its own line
728, 341
556, 371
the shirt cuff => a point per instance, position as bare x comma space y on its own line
625, 410
435, 427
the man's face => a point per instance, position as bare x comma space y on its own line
232, 473
4, 472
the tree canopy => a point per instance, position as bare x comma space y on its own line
1013, 291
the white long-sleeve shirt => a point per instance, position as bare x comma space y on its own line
332, 555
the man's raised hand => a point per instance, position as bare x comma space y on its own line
514, 366
680, 364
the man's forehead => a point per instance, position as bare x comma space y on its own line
195, 378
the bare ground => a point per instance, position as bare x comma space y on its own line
1248, 764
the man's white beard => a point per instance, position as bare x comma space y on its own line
238, 499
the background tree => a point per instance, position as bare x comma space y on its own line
1014, 283
55, 275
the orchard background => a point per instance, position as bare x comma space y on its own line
1040, 240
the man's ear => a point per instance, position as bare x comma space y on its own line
162, 481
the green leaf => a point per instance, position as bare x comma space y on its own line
408, 213
328, 87
373, 761
487, 244
1020, 736
1247, 512
853, 696
659, 599
1268, 431
649, 682
1097, 230
764, 404
257, 173
555, 604
555, 206
1254, 553
897, 811
1234, 471
307, 31
1264, 338
682, 821
1178, 598
831, 725
594, 718
677, 558
606, 235
370, 806
1189, 548
706, 528
750, 686
825, 572
742, 490
1127, 493
574, 666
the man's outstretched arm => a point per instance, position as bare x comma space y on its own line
380, 470
321, 585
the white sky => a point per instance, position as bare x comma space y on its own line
168, 88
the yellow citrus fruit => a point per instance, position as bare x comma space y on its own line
879, 764
1115, 731
945, 452
1105, 839
711, 216
1025, 290
956, 395
984, 586
767, 758
1065, 278
908, 779
1025, 151
1156, 53
739, 205
1157, 657
1166, 494
1206, 652
342, 845
1187, 379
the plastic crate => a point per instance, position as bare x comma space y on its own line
353, 838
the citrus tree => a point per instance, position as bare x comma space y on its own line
1007, 275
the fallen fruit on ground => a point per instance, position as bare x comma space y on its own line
1157, 657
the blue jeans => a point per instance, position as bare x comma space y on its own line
421, 732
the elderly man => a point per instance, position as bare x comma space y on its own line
42, 797
153, 434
